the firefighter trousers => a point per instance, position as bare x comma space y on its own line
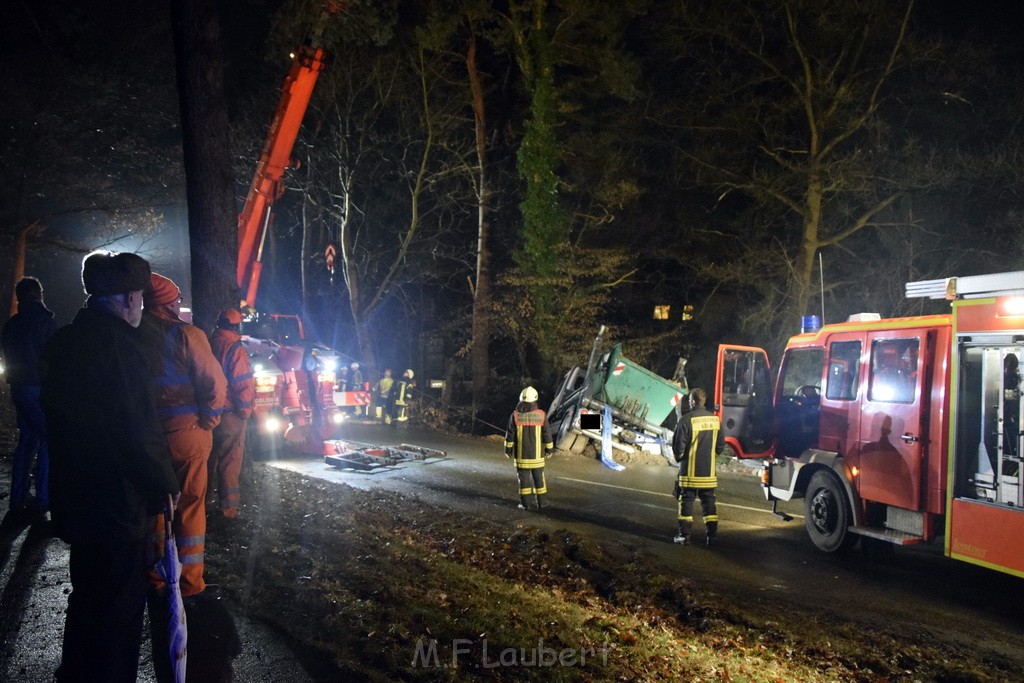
531, 483
708, 508
190, 452
226, 462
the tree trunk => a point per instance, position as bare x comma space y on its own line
212, 217
482, 294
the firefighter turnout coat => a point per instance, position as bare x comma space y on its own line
697, 439
528, 436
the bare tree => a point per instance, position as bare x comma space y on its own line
389, 175
811, 122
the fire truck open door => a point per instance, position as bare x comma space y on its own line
985, 523
743, 400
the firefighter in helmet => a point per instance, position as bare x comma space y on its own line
403, 395
229, 436
697, 440
528, 441
191, 393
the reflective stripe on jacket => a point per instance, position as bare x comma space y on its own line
697, 440
528, 437
234, 361
191, 389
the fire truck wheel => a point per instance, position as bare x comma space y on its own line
826, 512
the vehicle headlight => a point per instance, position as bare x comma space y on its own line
272, 425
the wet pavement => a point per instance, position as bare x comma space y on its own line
35, 586
759, 559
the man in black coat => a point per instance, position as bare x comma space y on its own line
110, 468
23, 339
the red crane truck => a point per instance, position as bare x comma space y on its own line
285, 364
905, 430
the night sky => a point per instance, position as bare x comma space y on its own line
96, 79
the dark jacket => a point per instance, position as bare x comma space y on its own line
528, 436
109, 461
697, 440
23, 339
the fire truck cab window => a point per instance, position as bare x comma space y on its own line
843, 371
745, 377
893, 370
989, 441
798, 400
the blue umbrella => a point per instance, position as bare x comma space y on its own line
169, 570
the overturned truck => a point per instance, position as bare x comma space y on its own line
617, 402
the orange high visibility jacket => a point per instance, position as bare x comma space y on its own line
234, 361
191, 389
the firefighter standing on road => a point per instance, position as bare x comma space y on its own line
109, 463
229, 435
697, 440
355, 383
386, 396
190, 396
528, 441
403, 395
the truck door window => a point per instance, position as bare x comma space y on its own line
893, 370
745, 377
797, 404
843, 370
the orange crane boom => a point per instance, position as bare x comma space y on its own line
266, 187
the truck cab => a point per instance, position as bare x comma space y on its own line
857, 426
903, 430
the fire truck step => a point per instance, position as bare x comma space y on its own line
888, 535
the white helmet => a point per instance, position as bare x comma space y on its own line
354, 366
409, 374
529, 395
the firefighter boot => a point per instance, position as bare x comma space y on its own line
682, 535
712, 538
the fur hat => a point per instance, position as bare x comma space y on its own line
160, 291
229, 316
105, 273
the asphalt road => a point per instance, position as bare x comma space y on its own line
759, 557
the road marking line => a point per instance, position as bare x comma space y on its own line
666, 495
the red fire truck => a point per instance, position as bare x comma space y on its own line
905, 430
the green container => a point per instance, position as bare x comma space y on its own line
635, 390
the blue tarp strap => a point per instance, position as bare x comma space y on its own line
606, 441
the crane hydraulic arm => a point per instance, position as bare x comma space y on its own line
266, 187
